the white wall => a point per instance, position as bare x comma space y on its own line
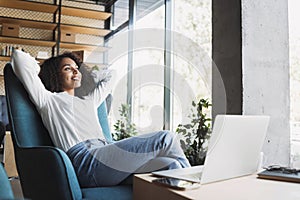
265, 60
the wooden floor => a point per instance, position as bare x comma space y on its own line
16, 187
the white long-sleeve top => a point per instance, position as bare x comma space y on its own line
69, 119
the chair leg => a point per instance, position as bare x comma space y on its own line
9, 156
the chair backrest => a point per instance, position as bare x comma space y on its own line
27, 131
23, 115
26, 124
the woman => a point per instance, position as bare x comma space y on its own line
73, 124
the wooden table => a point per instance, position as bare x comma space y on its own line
243, 188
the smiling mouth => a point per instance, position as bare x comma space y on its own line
75, 79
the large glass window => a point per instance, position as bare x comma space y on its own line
192, 57
117, 60
148, 70
294, 43
190, 61
120, 12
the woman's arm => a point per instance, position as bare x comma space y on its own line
101, 91
103, 86
27, 70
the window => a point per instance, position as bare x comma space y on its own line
192, 62
294, 43
148, 72
120, 12
190, 80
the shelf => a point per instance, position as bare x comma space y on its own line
27, 5
84, 30
87, 47
86, 13
4, 58
53, 9
14, 40
7, 58
40, 60
28, 23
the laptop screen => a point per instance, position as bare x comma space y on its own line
234, 147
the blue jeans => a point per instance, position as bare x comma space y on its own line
98, 163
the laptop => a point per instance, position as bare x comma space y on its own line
233, 151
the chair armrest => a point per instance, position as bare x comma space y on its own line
102, 116
47, 173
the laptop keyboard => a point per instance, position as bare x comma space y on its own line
196, 176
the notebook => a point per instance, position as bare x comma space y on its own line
233, 151
280, 176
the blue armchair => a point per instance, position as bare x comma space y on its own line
4, 125
5, 188
3, 112
45, 171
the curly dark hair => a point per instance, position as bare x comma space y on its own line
50, 71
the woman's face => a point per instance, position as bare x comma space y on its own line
70, 76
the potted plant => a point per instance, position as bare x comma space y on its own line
196, 133
123, 127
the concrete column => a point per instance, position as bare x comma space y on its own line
250, 49
265, 64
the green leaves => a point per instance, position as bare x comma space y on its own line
196, 133
123, 127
